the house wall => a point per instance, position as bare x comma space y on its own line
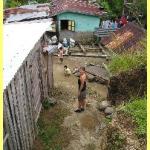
83, 23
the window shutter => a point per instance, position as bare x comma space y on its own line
71, 25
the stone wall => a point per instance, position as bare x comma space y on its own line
83, 37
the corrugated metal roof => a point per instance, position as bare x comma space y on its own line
124, 38
26, 16
27, 12
19, 40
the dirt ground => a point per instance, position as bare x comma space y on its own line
84, 127
71, 82
62, 128
85, 130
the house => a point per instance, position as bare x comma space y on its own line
75, 18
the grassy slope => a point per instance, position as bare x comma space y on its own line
137, 109
127, 62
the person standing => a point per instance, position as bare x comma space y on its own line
81, 90
61, 53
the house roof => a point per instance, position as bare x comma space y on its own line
26, 12
78, 6
124, 38
19, 39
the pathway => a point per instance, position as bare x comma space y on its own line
87, 128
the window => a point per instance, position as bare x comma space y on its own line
68, 25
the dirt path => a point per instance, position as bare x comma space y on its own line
87, 128
60, 128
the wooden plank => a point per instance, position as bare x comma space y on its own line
6, 131
37, 103
26, 101
43, 71
50, 73
30, 97
24, 105
22, 110
101, 35
19, 109
6, 145
82, 48
16, 111
8, 121
38, 113
5, 138
12, 107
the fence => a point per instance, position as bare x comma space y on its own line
22, 99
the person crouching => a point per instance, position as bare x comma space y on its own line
67, 71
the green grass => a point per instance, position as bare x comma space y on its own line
126, 62
50, 131
138, 110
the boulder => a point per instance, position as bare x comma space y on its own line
103, 105
109, 110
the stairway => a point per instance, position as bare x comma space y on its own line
100, 32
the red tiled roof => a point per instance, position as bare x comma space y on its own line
80, 6
124, 38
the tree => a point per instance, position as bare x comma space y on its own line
114, 8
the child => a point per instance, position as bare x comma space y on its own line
60, 55
67, 71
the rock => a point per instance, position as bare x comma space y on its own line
52, 101
77, 74
109, 110
104, 104
91, 64
109, 116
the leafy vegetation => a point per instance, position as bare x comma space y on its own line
47, 103
50, 131
137, 109
136, 10
114, 8
116, 141
43, 1
17, 3
127, 61
14, 3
